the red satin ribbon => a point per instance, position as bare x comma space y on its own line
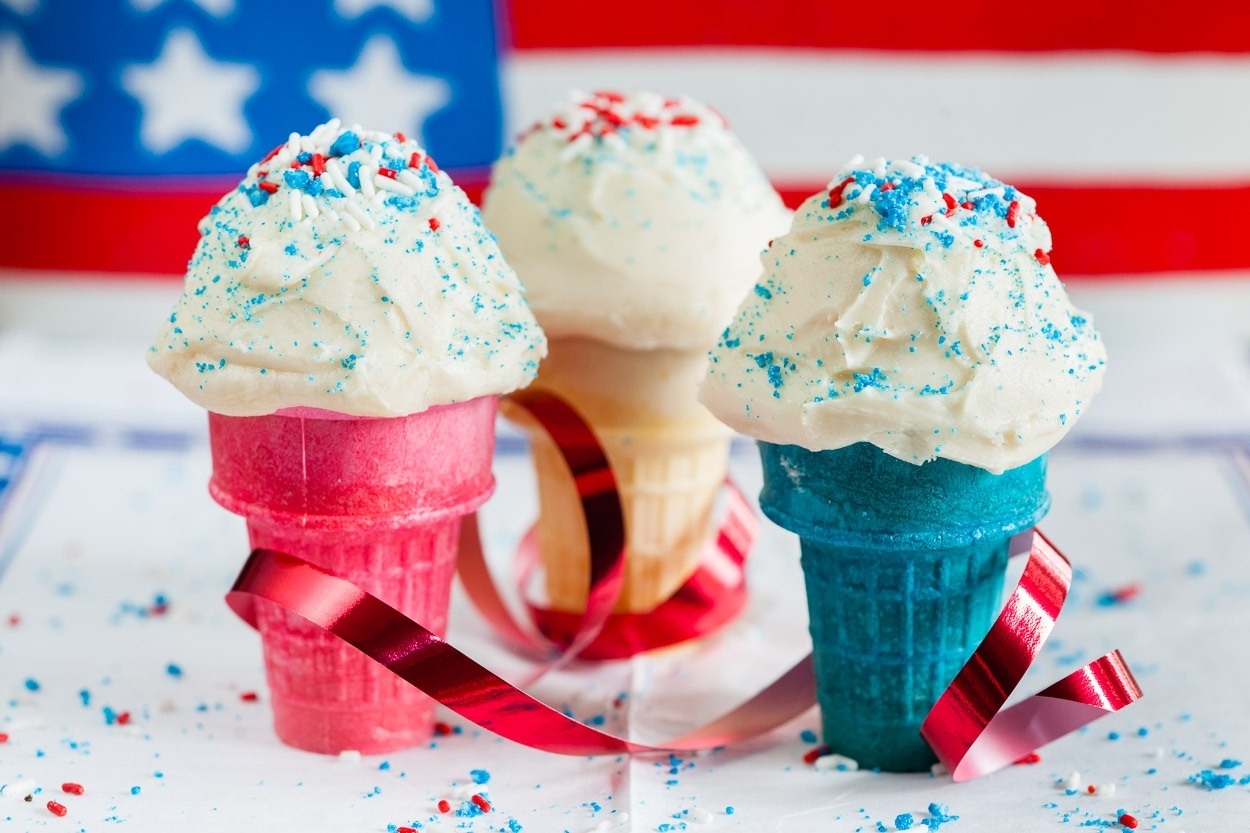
968, 728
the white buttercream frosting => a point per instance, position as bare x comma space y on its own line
346, 272
912, 306
635, 219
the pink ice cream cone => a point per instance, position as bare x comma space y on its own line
378, 501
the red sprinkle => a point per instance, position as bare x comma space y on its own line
56, 808
429, 160
123, 718
296, 165
646, 122
1031, 758
434, 224
249, 697
886, 186
1126, 593
835, 193
967, 205
4, 738
441, 728
978, 242
610, 95
559, 123
267, 186
482, 804
1013, 213
813, 754
405, 830
1091, 789
925, 220
444, 806
14, 620
72, 788
400, 136
1128, 821
158, 610
318, 164
950, 204
684, 121
1042, 257
389, 173
271, 154
244, 242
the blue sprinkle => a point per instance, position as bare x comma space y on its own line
1211, 780
134, 790
85, 696
1229, 763
881, 828
345, 144
32, 684
353, 174
514, 826
808, 736
480, 776
173, 670
304, 157
939, 814
1113, 735
763, 292
904, 821
729, 811
384, 766
297, 179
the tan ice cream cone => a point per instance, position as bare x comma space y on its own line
668, 453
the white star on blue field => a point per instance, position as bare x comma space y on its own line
186, 87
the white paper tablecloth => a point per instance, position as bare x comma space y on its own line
112, 515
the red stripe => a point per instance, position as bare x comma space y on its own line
909, 25
1098, 229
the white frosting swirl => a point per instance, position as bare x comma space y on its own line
346, 272
635, 220
911, 306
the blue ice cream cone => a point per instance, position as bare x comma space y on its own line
904, 567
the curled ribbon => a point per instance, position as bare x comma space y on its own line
709, 599
968, 728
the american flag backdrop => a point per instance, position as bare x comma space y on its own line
121, 121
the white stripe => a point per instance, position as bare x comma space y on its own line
1060, 116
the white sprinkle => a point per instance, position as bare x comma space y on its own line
462, 791
307, 145
410, 179
908, 168
865, 193
292, 145
297, 208
700, 816
350, 756
338, 178
1072, 782
394, 186
841, 763
375, 152
21, 724
938, 770
352, 222
617, 821
365, 173
18, 789
1106, 789
310, 206
855, 162
326, 132
358, 212
614, 141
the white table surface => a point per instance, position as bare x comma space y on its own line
1153, 488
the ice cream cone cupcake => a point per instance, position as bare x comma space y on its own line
636, 222
906, 363
349, 325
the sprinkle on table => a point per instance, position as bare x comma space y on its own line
56, 808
